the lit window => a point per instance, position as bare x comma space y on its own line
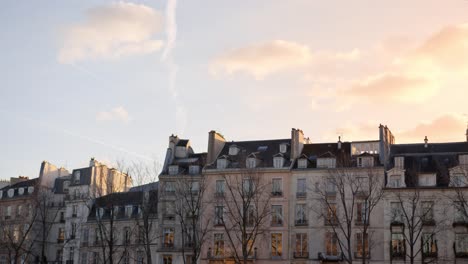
219, 244
301, 246
331, 244
429, 244
362, 245
168, 237
397, 249
331, 215
167, 259
276, 245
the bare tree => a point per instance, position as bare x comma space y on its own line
347, 198
244, 212
189, 206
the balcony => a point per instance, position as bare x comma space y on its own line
396, 222
361, 222
84, 243
301, 195
461, 254
397, 254
301, 255
169, 217
276, 193
330, 258
330, 222
301, 222
70, 261
360, 255
429, 255
460, 222
278, 222
428, 222
189, 244
167, 247
219, 194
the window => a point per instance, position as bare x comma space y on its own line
276, 245
429, 244
326, 163
61, 235
168, 234
301, 188
140, 257
19, 210
73, 231
195, 187
301, 246
173, 169
399, 162
194, 169
11, 192
250, 215
30, 189
128, 211
84, 258
362, 214
220, 188
74, 210
276, 187
76, 177
66, 185
219, 212
221, 164
20, 191
99, 213
251, 163
71, 255
248, 186
302, 163
396, 212
362, 245
331, 244
59, 256
427, 211
219, 244
332, 218
94, 258
365, 162
96, 236
458, 180
126, 235
301, 218
397, 249
460, 212
278, 162
167, 259
427, 180
395, 181
461, 243
330, 186
276, 215
126, 258
62, 217
3, 259
169, 188
463, 159
85, 237
8, 212
188, 259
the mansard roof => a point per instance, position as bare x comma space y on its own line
432, 148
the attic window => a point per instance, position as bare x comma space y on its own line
30, 189
251, 163
66, 184
221, 164
76, 177
278, 162
326, 163
302, 163
283, 148
262, 148
1, 194
173, 169
463, 159
457, 180
11, 192
365, 162
20, 191
233, 150
427, 179
194, 169
128, 211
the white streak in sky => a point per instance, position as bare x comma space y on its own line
168, 59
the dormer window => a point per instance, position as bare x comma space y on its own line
99, 213
128, 211
30, 189
283, 148
399, 162
1, 194
458, 180
173, 169
11, 192
221, 164
302, 163
427, 179
326, 163
194, 169
251, 163
76, 177
463, 160
278, 162
20, 191
394, 181
233, 150
365, 161
66, 184
181, 152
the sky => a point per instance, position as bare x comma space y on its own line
114, 79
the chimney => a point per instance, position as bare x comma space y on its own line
297, 143
466, 134
173, 140
339, 142
425, 142
215, 145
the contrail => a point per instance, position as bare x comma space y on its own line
167, 58
54, 127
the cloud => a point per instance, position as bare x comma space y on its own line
262, 59
113, 31
399, 87
115, 114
